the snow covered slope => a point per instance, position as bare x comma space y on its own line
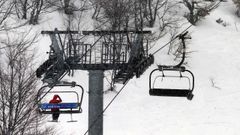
215, 109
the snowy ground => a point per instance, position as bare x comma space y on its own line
215, 108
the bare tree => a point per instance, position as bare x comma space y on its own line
96, 5
151, 9
116, 13
75, 21
21, 8
37, 6
5, 10
67, 6
30, 9
134, 14
198, 9
18, 84
61, 5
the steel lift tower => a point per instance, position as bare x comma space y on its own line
125, 52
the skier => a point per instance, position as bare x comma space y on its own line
56, 99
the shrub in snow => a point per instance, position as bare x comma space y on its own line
219, 20
223, 23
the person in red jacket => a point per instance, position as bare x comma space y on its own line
56, 99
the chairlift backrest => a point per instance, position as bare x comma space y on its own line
64, 107
174, 92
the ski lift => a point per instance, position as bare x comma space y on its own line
184, 74
167, 72
64, 107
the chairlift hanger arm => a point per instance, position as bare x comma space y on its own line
182, 37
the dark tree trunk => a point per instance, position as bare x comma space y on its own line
67, 8
238, 12
24, 9
37, 8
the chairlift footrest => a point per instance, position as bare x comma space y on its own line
61, 112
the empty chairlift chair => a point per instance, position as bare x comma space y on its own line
182, 74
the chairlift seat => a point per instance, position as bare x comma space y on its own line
59, 105
45, 108
171, 92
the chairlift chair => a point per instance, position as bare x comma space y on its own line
70, 107
64, 107
173, 92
